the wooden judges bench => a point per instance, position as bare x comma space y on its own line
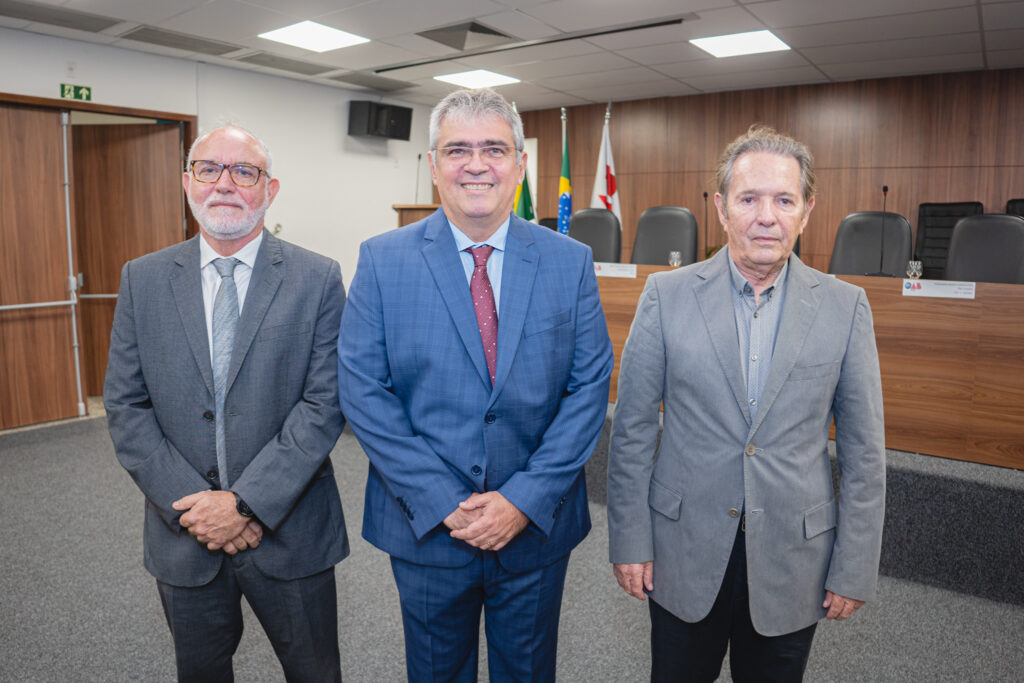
952, 369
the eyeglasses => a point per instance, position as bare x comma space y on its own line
494, 153
243, 175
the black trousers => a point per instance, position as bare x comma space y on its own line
300, 617
683, 651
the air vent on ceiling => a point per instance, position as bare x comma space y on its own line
468, 36
55, 16
367, 80
285, 64
156, 36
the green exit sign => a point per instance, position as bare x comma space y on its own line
76, 92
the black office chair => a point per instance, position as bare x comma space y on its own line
934, 229
858, 246
1015, 207
550, 223
600, 229
662, 229
987, 248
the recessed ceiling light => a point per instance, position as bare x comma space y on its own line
310, 35
478, 78
751, 43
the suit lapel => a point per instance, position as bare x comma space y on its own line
517, 276
798, 311
714, 296
187, 290
263, 284
441, 255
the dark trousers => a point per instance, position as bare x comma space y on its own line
300, 618
441, 618
683, 651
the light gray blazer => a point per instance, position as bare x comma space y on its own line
281, 405
671, 504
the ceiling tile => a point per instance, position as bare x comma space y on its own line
903, 67
303, 9
1005, 59
417, 73
226, 20
714, 22
364, 56
141, 11
664, 54
783, 13
517, 24
941, 22
578, 15
761, 79
1004, 40
530, 55
614, 77
583, 64
747, 63
636, 91
420, 45
555, 99
1009, 15
386, 18
895, 49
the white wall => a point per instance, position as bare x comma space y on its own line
336, 190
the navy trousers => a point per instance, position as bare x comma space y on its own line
684, 651
300, 617
441, 618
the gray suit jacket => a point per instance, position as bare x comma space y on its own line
282, 408
671, 503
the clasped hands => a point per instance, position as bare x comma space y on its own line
212, 518
486, 520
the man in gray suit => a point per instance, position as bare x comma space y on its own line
731, 525
222, 401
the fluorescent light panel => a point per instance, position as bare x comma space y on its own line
478, 78
310, 35
751, 43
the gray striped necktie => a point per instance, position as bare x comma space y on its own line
225, 322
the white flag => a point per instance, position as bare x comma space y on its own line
606, 192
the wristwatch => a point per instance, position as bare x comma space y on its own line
242, 508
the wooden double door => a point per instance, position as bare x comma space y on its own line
76, 202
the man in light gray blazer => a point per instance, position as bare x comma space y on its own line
222, 402
731, 525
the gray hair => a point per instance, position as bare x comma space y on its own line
468, 105
762, 138
232, 126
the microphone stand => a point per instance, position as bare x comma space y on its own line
707, 247
881, 256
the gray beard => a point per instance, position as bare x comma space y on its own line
227, 228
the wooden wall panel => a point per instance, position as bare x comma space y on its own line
946, 137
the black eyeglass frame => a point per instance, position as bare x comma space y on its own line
228, 167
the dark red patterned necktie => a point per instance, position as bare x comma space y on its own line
483, 304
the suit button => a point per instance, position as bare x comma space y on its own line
733, 512
208, 416
750, 450
475, 470
212, 475
491, 417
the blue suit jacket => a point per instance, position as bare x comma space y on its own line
415, 388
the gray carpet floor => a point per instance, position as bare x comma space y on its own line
77, 605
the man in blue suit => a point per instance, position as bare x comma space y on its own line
474, 363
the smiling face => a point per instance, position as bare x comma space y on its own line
764, 213
476, 193
226, 212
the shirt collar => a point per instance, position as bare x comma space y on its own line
246, 254
740, 283
497, 240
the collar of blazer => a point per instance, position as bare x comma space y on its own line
518, 274
714, 296
186, 287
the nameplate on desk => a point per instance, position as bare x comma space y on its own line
939, 289
605, 269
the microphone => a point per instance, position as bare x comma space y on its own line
706, 247
419, 158
881, 252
